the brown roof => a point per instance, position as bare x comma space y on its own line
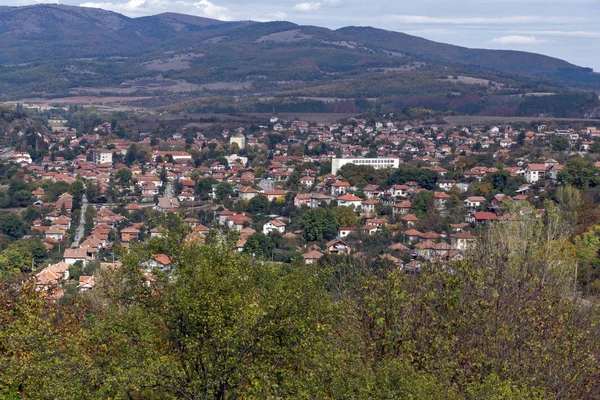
162, 259
312, 255
484, 215
349, 197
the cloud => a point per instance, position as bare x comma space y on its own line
332, 2
518, 40
308, 6
431, 31
278, 15
422, 19
204, 8
581, 34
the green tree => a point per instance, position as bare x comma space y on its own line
22, 198
236, 329
11, 225
31, 214
345, 216
259, 245
258, 205
406, 173
204, 186
77, 190
422, 202
124, 176
559, 143
569, 201
579, 173
500, 180
318, 224
223, 191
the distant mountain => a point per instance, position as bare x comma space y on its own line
52, 50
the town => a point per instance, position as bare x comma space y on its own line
365, 188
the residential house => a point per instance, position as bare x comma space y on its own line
349, 200
337, 246
247, 193
474, 202
462, 240
274, 226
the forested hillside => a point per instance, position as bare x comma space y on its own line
173, 57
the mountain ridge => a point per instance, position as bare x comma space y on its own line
54, 58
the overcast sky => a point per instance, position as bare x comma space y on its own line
567, 29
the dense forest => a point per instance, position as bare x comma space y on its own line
218, 325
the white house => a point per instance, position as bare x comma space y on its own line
535, 172
474, 202
22, 158
349, 200
71, 256
274, 225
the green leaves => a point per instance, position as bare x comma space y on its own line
319, 224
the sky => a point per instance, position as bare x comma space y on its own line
566, 29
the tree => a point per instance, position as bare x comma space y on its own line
259, 245
223, 191
500, 180
422, 202
76, 191
258, 205
91, 192
293, 181
579, 173
204, 187
229, 323
362, 175
12, 226
345, 216
569, 201
15, 186
31, 214
21, 198
559, 143
124, 176
405, 173
319, 224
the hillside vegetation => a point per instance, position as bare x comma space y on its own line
43, 53
221, 326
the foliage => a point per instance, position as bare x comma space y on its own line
259, 245
362, 175
422, 202
223, 191
345, 216
407, 173
562, 105
498, 325
580, 173
258, 205
12, 226
124, 177
319, 224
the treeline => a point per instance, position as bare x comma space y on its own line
219, 325
561, 105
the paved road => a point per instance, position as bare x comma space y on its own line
169, 191
81, 228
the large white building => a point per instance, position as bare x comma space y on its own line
240, 140
377, 163
102, 156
